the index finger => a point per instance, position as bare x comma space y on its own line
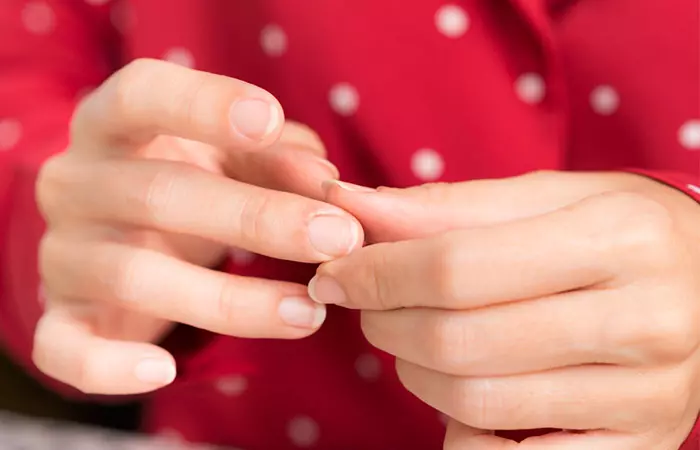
151, 97
584, 245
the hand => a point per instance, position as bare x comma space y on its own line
168, 167
548, 301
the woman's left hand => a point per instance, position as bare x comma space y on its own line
552, 300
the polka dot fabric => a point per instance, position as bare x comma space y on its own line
402, 93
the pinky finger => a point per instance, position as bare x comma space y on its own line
462, 437
65, 349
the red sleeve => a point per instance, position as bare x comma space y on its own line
51, 51
693, 441
686, 181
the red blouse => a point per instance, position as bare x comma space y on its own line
402, 92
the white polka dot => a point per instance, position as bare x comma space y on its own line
180, 56
605, 100
232, 386
38, 17
689, 135
427, 164
344, 99
273, 40
241, 257
96, 2
530, 88
303, 431
694, 188
10, 133
368, 367
452, 21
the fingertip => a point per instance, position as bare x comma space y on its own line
331, 184
330, 167
156, 371
125, 368
256, 119
325, 290
301, 135
302, 312
334, 233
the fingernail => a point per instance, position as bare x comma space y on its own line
253, 118
348, 186
333, 235
328, 166
301, 312
155, 371
326, 290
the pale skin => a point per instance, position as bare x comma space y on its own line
165, 172
553, 300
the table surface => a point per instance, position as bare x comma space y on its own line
20, 433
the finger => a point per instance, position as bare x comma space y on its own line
157, 285
390, 215
583, 245
178, 198
462, 437
297, 134
580, 327
151, 97
575, 398
66, 349
295, 163
283, 167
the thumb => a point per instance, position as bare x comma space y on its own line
389, 214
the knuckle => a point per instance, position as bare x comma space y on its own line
480, 405
129, 82
637, 229
82, 111
156, 197
194, 104
48, 250
128, 283
448, 338
227, 307
446, 271
670, 335
254, 218
51, 181
672, 395
382, 287
657, 333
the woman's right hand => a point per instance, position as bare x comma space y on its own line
168, 168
